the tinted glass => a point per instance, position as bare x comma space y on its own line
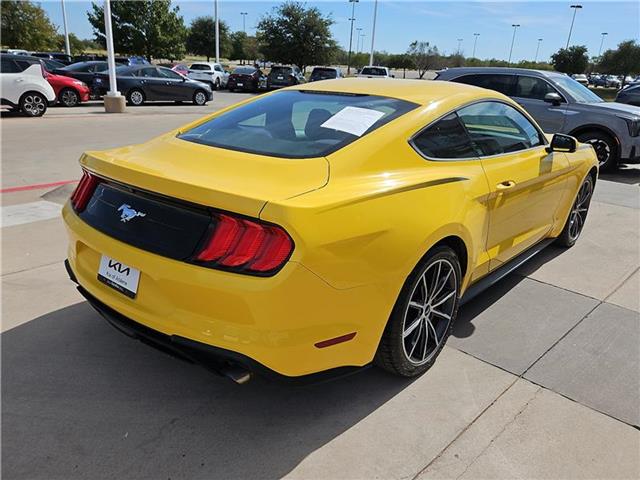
52, 64
81, 67
26, 63
323, 73
531, 87
9, 66
579, 92
446, 138
201, 66
497, 128
245, 70
218, 68
291, 124
148, 72
167, 73
373, 71
499, 83
281, 71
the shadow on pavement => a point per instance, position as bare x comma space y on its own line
80, 400
625, 174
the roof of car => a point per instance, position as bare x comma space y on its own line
416, 91
456, 71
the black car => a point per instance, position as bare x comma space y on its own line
245, 79
325, 73
141, 83
83, 71
284, 76
629, 95
57, 56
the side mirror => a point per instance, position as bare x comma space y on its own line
562, 143
553, 98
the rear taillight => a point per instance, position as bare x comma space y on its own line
245, 246
84, 191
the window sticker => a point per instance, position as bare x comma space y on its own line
353, 120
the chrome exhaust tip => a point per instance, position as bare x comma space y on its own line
236, 374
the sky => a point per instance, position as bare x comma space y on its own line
441, 23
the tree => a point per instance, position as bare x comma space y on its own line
26, 25
624, 60
571, 60
237, 41
250, 47
296, 34
142, 27
76, 45
400, 61
423, 56
201, 39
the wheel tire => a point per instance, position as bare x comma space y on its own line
33, 104
69, 97
217, 84
605, 146
200, 97
392, 352
577, 215
135, 97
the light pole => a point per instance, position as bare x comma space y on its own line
537, 50
513, 40
604, 34
573, 19
362, 35
244, 17
215, 10
352, 19
373, 31
475, 42
459, 43
67, 49
358, 39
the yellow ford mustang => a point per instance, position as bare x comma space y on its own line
323, 227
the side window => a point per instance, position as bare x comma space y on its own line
446, 139
148, 72
496, 128
218, 68
24, 64
9, 66
166, 73
531, 87
500, 83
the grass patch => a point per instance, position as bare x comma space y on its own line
607, 94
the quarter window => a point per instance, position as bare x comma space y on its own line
9, 66
531, 87
499, 83
496, 128
445, 139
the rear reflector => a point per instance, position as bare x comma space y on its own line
245, 246
334, 341
84, 191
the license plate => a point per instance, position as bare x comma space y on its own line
240, 84
119, 276
280, 78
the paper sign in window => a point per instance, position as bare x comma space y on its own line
353, 120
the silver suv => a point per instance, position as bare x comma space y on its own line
561, 105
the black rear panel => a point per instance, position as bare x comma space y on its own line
147, 221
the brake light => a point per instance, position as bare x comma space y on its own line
246, 246
84, 191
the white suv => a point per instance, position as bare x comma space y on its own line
24, 86
207, 72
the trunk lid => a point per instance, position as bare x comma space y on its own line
228, 180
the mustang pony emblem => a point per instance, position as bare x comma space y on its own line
128, 213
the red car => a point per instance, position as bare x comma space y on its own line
69, 91
181, 68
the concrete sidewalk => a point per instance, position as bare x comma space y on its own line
539, 380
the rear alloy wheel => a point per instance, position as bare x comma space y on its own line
69, 97
200, 98
423, 316
33, 104
135, 97
605, 147
577, 215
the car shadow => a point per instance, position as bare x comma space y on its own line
81, 400
464, 326
625, 174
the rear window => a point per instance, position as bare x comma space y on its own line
281, 70
374, 71
200, 66
245, 70
323, 73
503, 83
298, 124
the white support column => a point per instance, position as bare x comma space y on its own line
113, 101
217, 32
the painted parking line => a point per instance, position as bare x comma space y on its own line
36, 186
29, 212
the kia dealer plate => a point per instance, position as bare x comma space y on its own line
240, 84
119, 276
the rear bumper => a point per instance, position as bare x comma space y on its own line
275, 322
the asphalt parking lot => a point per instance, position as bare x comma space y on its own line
541, 378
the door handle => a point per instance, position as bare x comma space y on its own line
18, 80
506, 185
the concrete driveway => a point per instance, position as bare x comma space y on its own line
539, 380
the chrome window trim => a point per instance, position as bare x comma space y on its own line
455, 110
